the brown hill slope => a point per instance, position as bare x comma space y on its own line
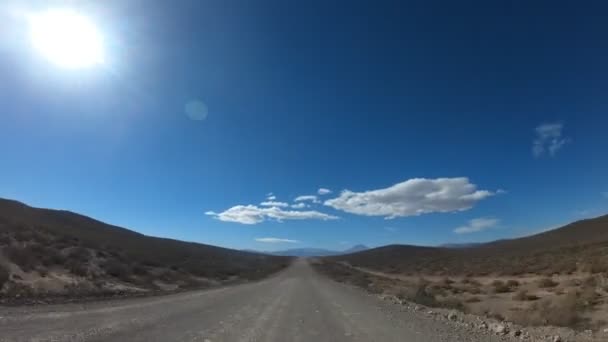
51, 252
581, 245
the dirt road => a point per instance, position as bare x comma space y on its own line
296, 305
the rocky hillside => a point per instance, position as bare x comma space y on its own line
46, 254
580, 246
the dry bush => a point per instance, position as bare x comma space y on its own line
76, 267
500, 286
470, 281
4, 275
473, 299
512, 283
116, 269
598, 265
524, 296
22, 257
547, 282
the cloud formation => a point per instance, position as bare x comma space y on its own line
549, 139
323, 191
477, 225
275, 240
412, 197
251, 214
311, 198
300, 205
274, 204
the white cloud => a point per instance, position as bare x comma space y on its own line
300, 205
477, 225
251, 214
549, 139
413, 197
323, 191
274, 204
275, 240
311, 198
271, 197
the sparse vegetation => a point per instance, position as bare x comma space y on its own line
500, 286
4, 275
547, 282
97, 255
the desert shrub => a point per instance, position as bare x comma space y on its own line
80, 254
512, 283
77, 268
453, 303
52, 257
524, 295
500, 286
547, 282
422, 295
473, 299
22, 257
139, 270
598, 265
5, 239
42, 271
559, 311
4, 275
116, 269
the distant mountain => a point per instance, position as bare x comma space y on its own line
355, 249
579, 246
460, 245
316, 252
305, 252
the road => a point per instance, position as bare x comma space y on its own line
295, 305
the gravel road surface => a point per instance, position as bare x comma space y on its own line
295, 305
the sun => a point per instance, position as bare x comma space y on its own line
66, 38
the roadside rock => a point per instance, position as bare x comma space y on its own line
452, 316
556, 338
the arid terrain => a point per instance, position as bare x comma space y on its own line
50, 255
557, 278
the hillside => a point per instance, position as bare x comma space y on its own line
59, 253
559, 277
582, 244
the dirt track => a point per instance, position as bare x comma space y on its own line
295, 305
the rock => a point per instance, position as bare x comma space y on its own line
498, 328
452, 316
483, 326
556, 338
606, 331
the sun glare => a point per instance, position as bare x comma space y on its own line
66, 38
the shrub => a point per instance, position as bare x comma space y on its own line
116, 269
77, 268
473, 299
80, 254
22, 257
547, 282
523, 295
500, 286
4, 275
512, 283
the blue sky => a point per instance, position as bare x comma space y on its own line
445, 121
